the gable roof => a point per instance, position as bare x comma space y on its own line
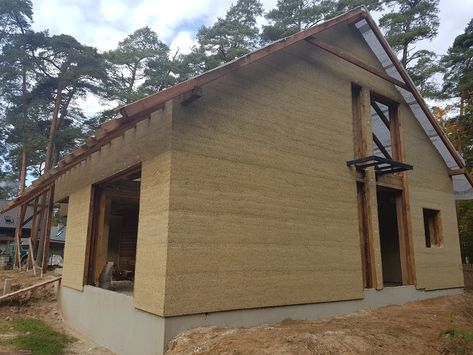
139, 110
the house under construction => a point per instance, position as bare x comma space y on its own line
307, 172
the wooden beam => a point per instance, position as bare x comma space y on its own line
161, 97
141, 109
403, 209
390, 182
47, 231
381, 147
380, 114
190, 97
29, 288
454, 172
355, 61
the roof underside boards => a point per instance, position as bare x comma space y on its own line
462, 187
139, 110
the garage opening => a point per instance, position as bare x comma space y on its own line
112, 251
389, 237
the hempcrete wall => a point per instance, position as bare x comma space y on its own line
249, 203
147, 144
431, 187
263, 207
429, 183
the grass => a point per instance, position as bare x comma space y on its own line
460, 340
456, 333
37, 336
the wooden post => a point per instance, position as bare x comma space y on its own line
403, 209
18, 235
368, 212
31, 259
7, 286
48, 229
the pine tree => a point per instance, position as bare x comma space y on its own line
230, 37
70, 70
458, 85
408, 22
16, 77
291, 16
141, 57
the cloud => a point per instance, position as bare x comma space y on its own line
183, 42
103, 23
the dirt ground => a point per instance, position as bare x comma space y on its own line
41, 304
414, 328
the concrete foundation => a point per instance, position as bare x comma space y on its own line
111, 320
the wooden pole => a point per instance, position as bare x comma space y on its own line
48, 229
18, 235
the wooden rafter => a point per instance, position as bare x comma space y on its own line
380, 113
355, 61
416, 95
381, 147
455, 172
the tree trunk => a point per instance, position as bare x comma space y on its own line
22, 178
53, 131
404, 56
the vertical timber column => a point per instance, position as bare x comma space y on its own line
363, 147
402, 203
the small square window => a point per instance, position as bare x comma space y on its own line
9, 219
432, 228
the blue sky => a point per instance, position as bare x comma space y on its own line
103, 23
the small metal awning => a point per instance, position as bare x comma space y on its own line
382, 166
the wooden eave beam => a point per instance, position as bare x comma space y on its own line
190, 97
357, 62
416, 94
454, 172
152, 101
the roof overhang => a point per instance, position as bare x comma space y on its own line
359, 17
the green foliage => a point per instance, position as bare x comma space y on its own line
230, 37
38, 337
458, 63
426, 66
457, 333
465, 228
139, 65
291, 16
408, 22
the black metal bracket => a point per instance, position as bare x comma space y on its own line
381, 165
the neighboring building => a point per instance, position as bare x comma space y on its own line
58, 238
8, 222
266, 189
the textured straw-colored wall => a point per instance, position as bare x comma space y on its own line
249, 202
76, 231
263, 207
431, 187
148, 143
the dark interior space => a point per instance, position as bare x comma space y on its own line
389, 238
115, 231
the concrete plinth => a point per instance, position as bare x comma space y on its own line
111, 320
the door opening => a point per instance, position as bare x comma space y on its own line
389, 237
112, 247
